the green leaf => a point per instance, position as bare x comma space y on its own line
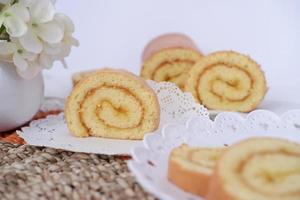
3, 34
2, 29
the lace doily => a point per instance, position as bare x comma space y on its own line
150, 162
176, 107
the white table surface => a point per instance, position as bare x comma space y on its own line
113, 33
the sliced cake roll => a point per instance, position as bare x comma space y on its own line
227, 80
190, 168
258, 169
112, 104
169, 58
78, 76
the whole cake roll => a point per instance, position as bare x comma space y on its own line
112, 104
227, 80
258, 169
169, 58
191, 168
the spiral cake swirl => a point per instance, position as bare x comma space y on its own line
112, 104
260, 169
191, 168
227, 80
169, 58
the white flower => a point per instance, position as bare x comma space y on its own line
36, 35
59, 51
42, 27
23, 2
14, 19
25, 61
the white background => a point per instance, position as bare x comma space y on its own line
114, 32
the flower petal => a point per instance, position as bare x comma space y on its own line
65, 21
32, 70
50, 32
31, 43
6, 48
52, 49
15, 26
64, 63
25, 3
46, 61
42, 11
20, 62
6, 58
29, 56
19, 11
73, 41
65, 51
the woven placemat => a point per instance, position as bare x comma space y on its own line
28, 172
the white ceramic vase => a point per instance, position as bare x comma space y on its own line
20, 99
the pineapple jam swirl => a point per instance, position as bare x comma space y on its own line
170, 65
227, 81
173, 71
114, 107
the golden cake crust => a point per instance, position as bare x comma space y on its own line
186, 173
78, 76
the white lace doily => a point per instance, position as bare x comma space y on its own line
176, 107
150, 162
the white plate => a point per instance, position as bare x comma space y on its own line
150, 162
